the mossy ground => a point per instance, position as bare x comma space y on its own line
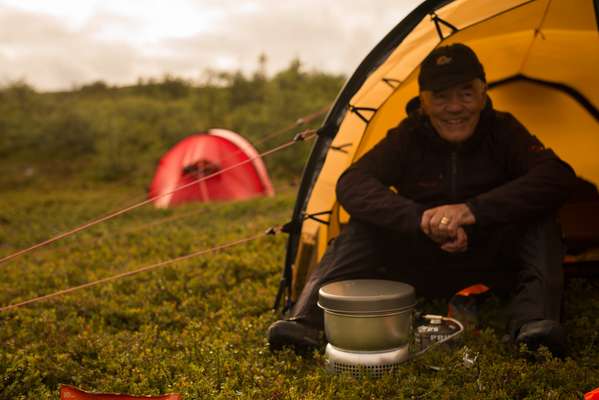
198, 327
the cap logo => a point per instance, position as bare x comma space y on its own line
442, 60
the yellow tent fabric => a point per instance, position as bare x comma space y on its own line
541, 58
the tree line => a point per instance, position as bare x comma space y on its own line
100, 132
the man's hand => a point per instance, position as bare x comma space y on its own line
458, 244
443, 225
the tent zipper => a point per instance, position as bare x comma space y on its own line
454, 172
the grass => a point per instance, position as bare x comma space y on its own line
198, 327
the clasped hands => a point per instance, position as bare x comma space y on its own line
444, 226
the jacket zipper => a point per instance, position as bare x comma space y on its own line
454, 172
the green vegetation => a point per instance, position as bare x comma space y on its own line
196, 327
102, 133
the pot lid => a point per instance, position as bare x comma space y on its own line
366, 295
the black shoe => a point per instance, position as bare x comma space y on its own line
293, 334
543, 332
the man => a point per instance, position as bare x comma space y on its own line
474, 200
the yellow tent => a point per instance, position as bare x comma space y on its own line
541, 59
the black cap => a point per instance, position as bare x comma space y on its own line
449, 65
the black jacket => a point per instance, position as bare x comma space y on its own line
502, 172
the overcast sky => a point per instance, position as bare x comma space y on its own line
57, 44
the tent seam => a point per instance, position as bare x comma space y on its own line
536, 33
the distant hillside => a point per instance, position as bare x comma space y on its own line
102, 133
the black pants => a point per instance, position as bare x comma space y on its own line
523, 260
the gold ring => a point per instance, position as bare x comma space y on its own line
444, 221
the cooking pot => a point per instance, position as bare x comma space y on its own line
367, 314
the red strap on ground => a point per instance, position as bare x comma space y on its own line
72, 393
479, 288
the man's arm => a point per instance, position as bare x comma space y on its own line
363, 189
541, 181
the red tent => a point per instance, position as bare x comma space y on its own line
203, 155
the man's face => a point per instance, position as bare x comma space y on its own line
454, 112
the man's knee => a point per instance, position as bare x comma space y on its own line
545, 228
539, 238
